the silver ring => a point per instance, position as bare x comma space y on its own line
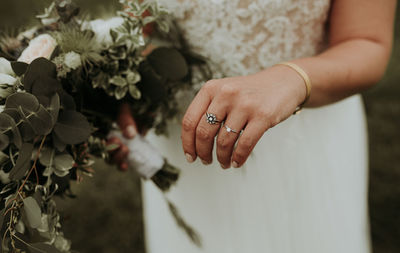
212, 119
229, 130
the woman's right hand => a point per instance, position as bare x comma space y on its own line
129, 130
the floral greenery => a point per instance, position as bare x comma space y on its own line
55, 115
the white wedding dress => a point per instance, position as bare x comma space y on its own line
304, 189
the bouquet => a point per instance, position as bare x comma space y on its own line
61, 85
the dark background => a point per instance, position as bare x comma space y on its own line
106, 216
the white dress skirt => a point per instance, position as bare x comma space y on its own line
304, 188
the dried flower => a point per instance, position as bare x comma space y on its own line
73, 60
5, 67
41, 46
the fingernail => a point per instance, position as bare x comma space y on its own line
205, 162
131, 132
225, 167
189, 158
235, 165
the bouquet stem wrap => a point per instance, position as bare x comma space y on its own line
143, 156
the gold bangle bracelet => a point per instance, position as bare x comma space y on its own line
306, 79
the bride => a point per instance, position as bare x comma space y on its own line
303, 187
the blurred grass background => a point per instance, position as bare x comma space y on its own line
106, 216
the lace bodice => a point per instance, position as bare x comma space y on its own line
245, 36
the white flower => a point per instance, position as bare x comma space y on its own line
102, 28
72, 60
7, 79
5, 67
41, 46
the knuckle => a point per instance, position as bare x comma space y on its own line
247, 105
203, 134
188, 124
209, 85
224, 143
229, 90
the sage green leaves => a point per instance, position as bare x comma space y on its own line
43, 108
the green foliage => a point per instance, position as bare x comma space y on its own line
56, 114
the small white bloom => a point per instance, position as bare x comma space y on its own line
5, 67
7, 79
102, 28
73, 60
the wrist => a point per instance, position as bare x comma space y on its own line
304, 89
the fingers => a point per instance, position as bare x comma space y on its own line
228, 135
120, 154
206, 132
247, 141
126, 122
192, 117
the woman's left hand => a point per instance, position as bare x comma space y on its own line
253, 103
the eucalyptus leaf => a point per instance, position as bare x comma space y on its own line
58, 144
4, 141
54, 107
23, 162
43, 247
24, 100
46, 156
33, 212
3, 158
40, 67
7, 123
19, 68
169, 63
72, 127
63, 162
45, 86
41, 121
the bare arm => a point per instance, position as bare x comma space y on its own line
360, 36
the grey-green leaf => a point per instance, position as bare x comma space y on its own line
43, 247
33, 212
118, 81
19, 68
134, 91
7, 123
72, 127
4, 141
23, 162
22, 99
41, 121
120, 92
63, 162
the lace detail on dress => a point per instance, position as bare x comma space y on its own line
245, 36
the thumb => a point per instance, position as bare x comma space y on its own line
126, 122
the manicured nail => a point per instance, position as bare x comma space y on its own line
189, 158
225, 167
235, 165
131, 132
205, 162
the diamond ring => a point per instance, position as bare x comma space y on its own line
229, 130
212, 119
